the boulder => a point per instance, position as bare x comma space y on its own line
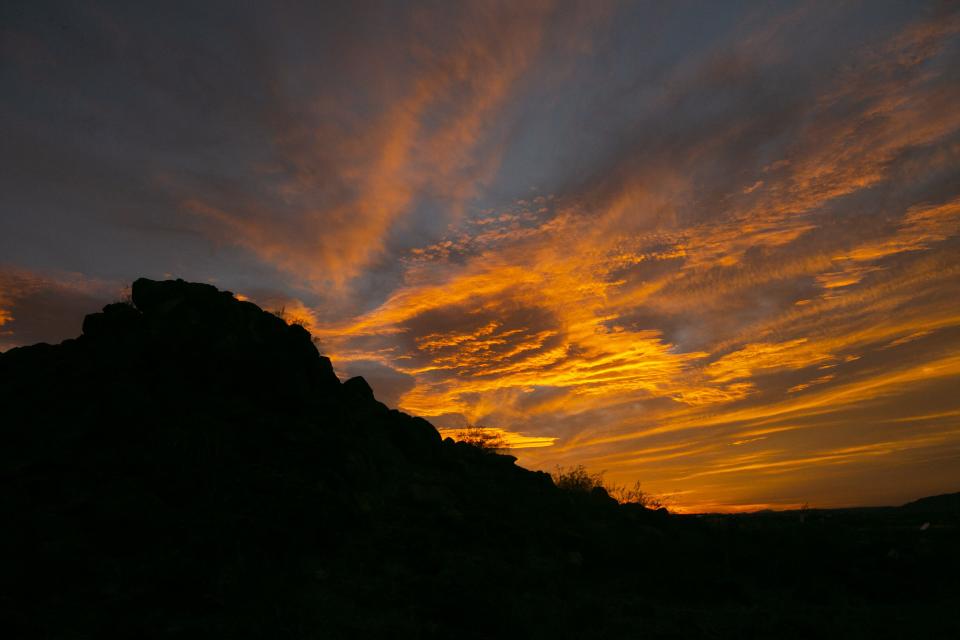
359, 387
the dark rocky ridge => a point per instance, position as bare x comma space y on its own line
191, 467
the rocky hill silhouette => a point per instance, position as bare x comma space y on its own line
944, 503
191, 466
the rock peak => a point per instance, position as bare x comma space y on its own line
196, 324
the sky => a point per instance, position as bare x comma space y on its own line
713, 247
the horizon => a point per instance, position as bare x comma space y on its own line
713, 248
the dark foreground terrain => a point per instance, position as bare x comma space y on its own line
191, 467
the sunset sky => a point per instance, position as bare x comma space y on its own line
714, 246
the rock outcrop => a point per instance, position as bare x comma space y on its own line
190, 466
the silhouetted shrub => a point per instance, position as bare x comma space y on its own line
482, 438
290, 319
577, 478
634, 495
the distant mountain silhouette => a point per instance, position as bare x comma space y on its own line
191, 466
946, 502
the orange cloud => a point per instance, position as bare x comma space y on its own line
6, 314
764, 357
37, 307
437, 138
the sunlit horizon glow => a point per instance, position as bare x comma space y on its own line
714, 250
